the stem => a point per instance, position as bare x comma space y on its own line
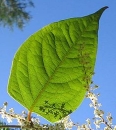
10, 126
29, 116
105, 122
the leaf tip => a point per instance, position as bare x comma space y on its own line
100, 11
103, 9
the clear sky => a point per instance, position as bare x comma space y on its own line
46, 12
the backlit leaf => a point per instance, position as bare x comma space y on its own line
53, 68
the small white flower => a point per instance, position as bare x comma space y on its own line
99, 104
106, 128
109, 119
11, 110
79, 128
88, 121
35, 120
114, 127
5, 104
98, 113
97, 123
3, 115
91, 105
9, 119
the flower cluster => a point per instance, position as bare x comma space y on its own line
21, 118
23, 122
99, 115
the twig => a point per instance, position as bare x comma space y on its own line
10, 126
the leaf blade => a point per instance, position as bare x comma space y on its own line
51, 69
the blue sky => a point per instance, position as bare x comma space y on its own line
49, 11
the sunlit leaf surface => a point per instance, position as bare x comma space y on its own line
52, 69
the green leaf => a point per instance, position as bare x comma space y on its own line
53, 68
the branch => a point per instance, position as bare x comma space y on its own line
10, 126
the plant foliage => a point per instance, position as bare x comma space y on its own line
13, 12
53, 68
